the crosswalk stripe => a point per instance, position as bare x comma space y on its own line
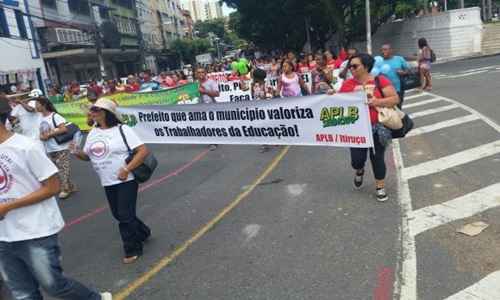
444, 124
415, 96
433, 111
486, 289
447, 162
459, 208
466, 74
424, 102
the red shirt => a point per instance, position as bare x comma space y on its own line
303, 68
352, 85
332, 64
134, 87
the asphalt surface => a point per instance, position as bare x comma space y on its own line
301, 232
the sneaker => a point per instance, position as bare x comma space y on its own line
64, 195
381, 195
106, 296
358, 179
213, 147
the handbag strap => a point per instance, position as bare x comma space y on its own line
125, 139
378, 87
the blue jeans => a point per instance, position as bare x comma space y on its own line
27, 265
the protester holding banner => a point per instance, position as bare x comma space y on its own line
383, 95
290, 83
52, 125
209, 90
106, 149
322, 78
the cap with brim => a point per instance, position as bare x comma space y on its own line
108, 105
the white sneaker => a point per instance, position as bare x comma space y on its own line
381, 195
106, 296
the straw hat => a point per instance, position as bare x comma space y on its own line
109, 105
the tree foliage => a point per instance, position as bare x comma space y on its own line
187, 49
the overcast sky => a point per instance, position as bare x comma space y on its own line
226, 10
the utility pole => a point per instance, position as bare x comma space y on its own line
462, 4
98, 43
445, 5
490, 10
368, 28
140, 39
308, 35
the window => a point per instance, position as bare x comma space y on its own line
20, 24
80, 7
4, 27
49, 3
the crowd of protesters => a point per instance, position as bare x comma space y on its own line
29, 215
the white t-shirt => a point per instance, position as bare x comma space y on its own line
28, 121
23, 166
107, 152
210, 86
47, 124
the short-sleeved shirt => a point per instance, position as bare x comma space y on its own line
23, 167
389, 69
352, 85
46, 125
210, 86
107, 152
28, 121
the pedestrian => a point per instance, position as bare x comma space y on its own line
106, 149
290, 84
260, 91
382, 96
29, 119
345, 73
30, 220
209, 90
52, 125
322, 78
424, 64
393, 67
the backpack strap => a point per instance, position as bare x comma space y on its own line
54, 120
125, 139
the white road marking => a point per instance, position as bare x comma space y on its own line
415, 96
295, 190
420, 103
433, 111
442, 125
487, 288
251, 231
450, 161
462, 207
406, 285
466, 74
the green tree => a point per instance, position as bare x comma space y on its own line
187, 49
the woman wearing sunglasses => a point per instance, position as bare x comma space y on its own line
383, 95
105, 148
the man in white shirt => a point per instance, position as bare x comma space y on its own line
29, 119
209, 90
30, 221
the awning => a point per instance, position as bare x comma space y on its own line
83, 52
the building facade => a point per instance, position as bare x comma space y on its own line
21, 65
67, 37
203, 10
188, 24
161, 22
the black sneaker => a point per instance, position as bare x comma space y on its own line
358, 179
381, 195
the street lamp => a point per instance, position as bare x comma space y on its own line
368, 28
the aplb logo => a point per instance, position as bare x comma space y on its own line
98, 149
129, 120
339, 115
5, 178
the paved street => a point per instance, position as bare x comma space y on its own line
287, 224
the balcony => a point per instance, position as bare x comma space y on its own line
57, 37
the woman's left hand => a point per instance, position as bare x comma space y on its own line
375, 102
44, 137
123, 174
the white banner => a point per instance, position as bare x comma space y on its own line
341, 120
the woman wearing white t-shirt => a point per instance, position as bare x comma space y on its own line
106, 149
51, 125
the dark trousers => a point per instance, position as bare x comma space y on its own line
122, 199
401, 95
27, 265
377, 158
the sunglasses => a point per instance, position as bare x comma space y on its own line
354, 66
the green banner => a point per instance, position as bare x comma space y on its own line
75, 111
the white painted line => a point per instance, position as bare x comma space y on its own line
457, 159
462, 207
433, 111
444, 124
487, 288
406, 285
415, 96
420, 103
466, 74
